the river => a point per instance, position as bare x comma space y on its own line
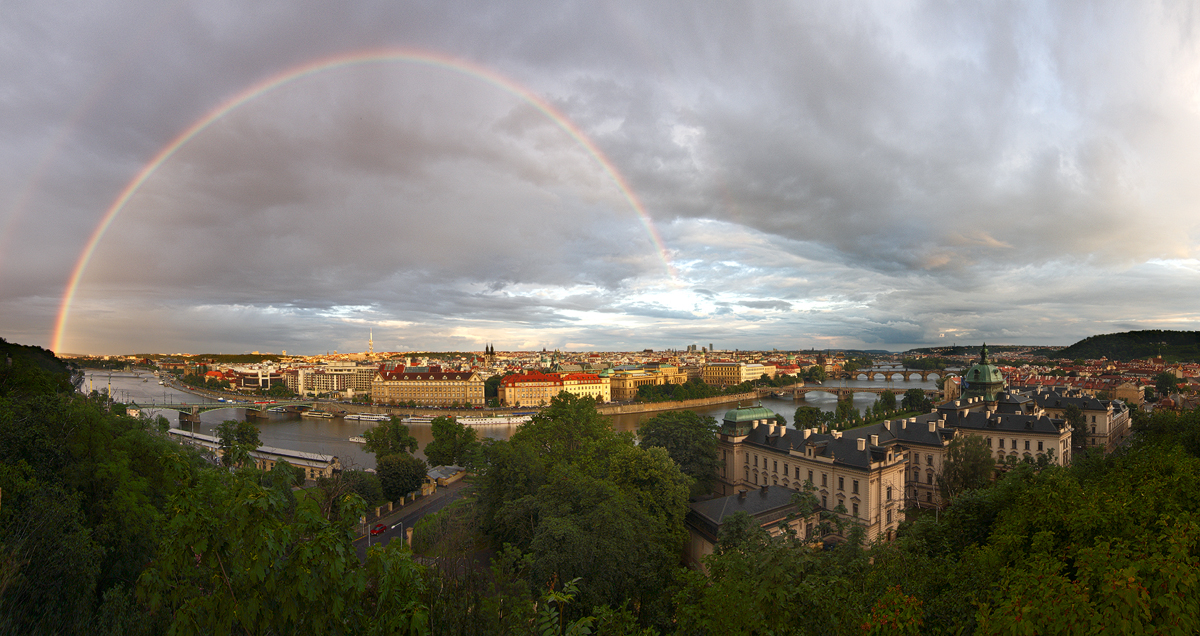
331, 436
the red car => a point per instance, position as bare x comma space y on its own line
379, 528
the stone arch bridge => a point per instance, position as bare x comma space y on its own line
798, 392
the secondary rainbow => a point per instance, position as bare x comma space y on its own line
359, 57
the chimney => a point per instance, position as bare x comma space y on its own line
903, 425
764, 489
862, 444
837, 435
741, 493
932, 426
874, 440
807, 432
887, 425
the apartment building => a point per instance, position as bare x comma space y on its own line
426, 386
857, 471
723, 374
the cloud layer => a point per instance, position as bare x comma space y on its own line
821, 175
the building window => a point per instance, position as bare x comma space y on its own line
824, 479
1001, 442
929, 478
854, 487
747, 462
889, 493
785, 470
824, 501
990, 444
798, 474
928, 496
841, 483
889, 516
775, 466
1026, 444
1014, 444
929, 460
756, 461
855, 510
1039, 446
747, 473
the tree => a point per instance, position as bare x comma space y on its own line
1079, 433
453, 443
237, 439
915, 400
1165, 383
846, 411
690, 440
968, 465
739, 530
888, 400
399, 474
279, 390
389, 438
807, 417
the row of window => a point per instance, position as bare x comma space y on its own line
1014, 443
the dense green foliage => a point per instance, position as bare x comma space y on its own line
928, 363
108, 527
968, 466
236, 440
583, 501
1173, 346
453, 443
690, 440
389, 438
204, 382
400, 474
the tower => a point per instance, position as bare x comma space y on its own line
371, 343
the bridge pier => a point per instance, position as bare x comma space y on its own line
188, 418
252, 414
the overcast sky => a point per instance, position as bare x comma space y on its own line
846, 175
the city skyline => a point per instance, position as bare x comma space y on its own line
581, 177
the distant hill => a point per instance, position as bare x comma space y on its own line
1173, 346
43, 359
27, 369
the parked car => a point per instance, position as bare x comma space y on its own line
379, 528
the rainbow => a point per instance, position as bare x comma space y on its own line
411, 56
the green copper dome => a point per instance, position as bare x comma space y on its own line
740, 421
749, 414
983, 379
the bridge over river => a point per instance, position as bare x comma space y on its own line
798, 391
892, 372
190, 411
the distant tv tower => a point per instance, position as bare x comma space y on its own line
371, 343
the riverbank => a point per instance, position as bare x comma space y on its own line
405, 411
650, 407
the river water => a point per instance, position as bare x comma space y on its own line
331, 436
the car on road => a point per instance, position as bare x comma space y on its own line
379, 528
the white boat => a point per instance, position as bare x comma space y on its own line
368, 417
277, 409
321, 414
358, 439
503, 420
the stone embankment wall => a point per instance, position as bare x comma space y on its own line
623, 409
405, 411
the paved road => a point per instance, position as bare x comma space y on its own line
399, 520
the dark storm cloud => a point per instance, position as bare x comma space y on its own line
822, 174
